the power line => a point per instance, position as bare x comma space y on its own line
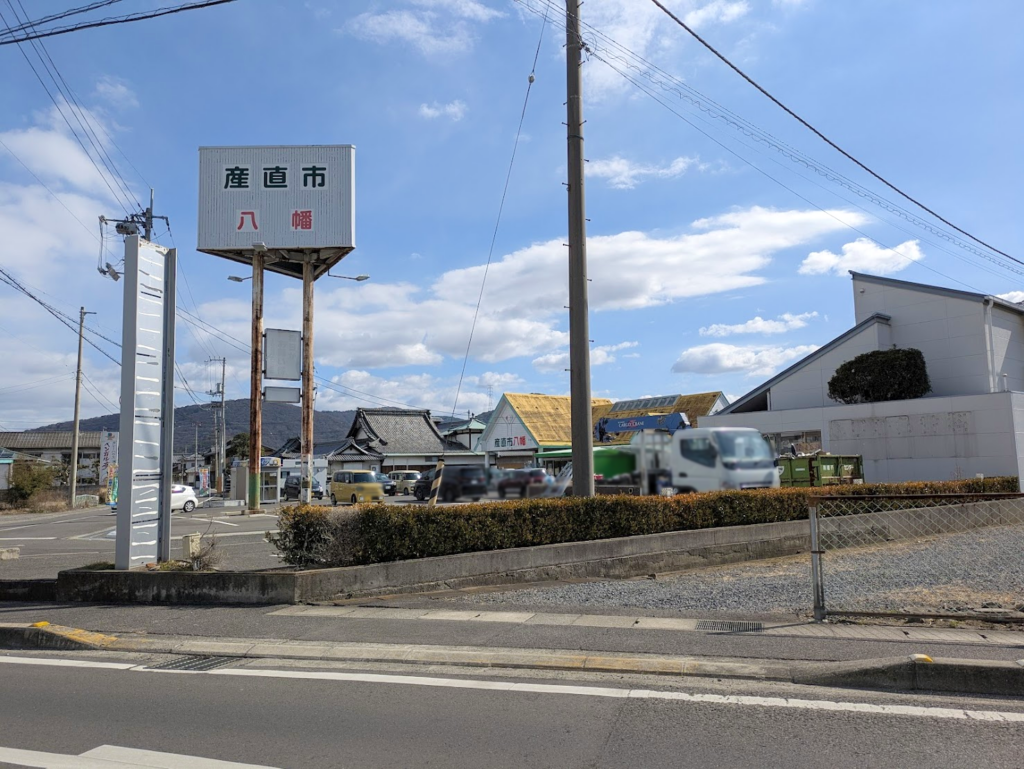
824, 138
672, 85
58, 16
167, 11
501, 208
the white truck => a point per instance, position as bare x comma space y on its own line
719, 458
697, 459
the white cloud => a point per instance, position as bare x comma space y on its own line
1016, 297
433, 27
863, 255
727, 359
116, 92
758, 325
623, 174
632, 270
356, 388
599, 356
455, 110
717, 11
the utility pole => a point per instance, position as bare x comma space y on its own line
256, 383
148, 223
195, 452
73, 479
579, 310
220, 426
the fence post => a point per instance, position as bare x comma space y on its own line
817, 587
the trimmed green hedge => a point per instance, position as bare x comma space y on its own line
322, 536
881, 375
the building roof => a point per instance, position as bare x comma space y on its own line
939, 290
401, 432
350, 449
36, 440
694, 406
751, 397
463, 425
547, 417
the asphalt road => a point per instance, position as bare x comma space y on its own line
263, 715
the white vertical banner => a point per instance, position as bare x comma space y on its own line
147, 412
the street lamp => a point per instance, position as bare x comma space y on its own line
349, 277
237, 279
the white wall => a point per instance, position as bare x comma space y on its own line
936, 438
949, 331
808, 386
1008, 348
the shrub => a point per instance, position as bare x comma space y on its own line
26, 479
319, 536
881, 375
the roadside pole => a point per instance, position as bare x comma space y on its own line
222, 449
435, 484
73, 474
256, 386
579, 323
306, 482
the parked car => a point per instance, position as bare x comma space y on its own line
404, 480
520, 480
456, 482
390, 487
356, 486
293, 488
495, 476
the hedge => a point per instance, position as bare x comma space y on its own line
881, 375
320, 536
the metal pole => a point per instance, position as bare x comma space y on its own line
817, 586
73, 475
579, 331
435, 484
223, 448
306, 448
256, 386
167, 409
643, 463
149, 217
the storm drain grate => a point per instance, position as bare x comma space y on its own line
194, 663
720, 626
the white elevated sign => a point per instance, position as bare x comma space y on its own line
296, 201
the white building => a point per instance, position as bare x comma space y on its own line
971, 422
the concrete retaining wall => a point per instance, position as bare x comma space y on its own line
177, 587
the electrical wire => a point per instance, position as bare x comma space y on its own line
58, 16
824, 138
127, 19
497, 222
671, 85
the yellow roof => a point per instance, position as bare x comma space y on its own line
694, 406
547, 417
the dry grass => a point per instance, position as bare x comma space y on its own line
48, 501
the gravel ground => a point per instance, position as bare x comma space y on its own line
951, 573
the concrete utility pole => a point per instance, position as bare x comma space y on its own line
306, 484
256, 385
148, 223
73, 475
195, 452
579, 309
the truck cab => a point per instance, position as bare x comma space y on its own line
721, 458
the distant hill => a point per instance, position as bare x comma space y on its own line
281, 421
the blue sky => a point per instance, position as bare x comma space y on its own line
715, 259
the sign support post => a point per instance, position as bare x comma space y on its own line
306, 484
256, 386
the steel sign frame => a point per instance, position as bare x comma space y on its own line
146, 435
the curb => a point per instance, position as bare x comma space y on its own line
28, 589
916, 672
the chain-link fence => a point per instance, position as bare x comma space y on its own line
934, 554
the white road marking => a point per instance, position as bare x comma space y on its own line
112, 756
23, 539
58, 662
226, 523
913, 711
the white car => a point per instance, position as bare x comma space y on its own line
183, 498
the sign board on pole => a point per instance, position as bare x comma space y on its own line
295, 201
147, 405
282, 354
282, 394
